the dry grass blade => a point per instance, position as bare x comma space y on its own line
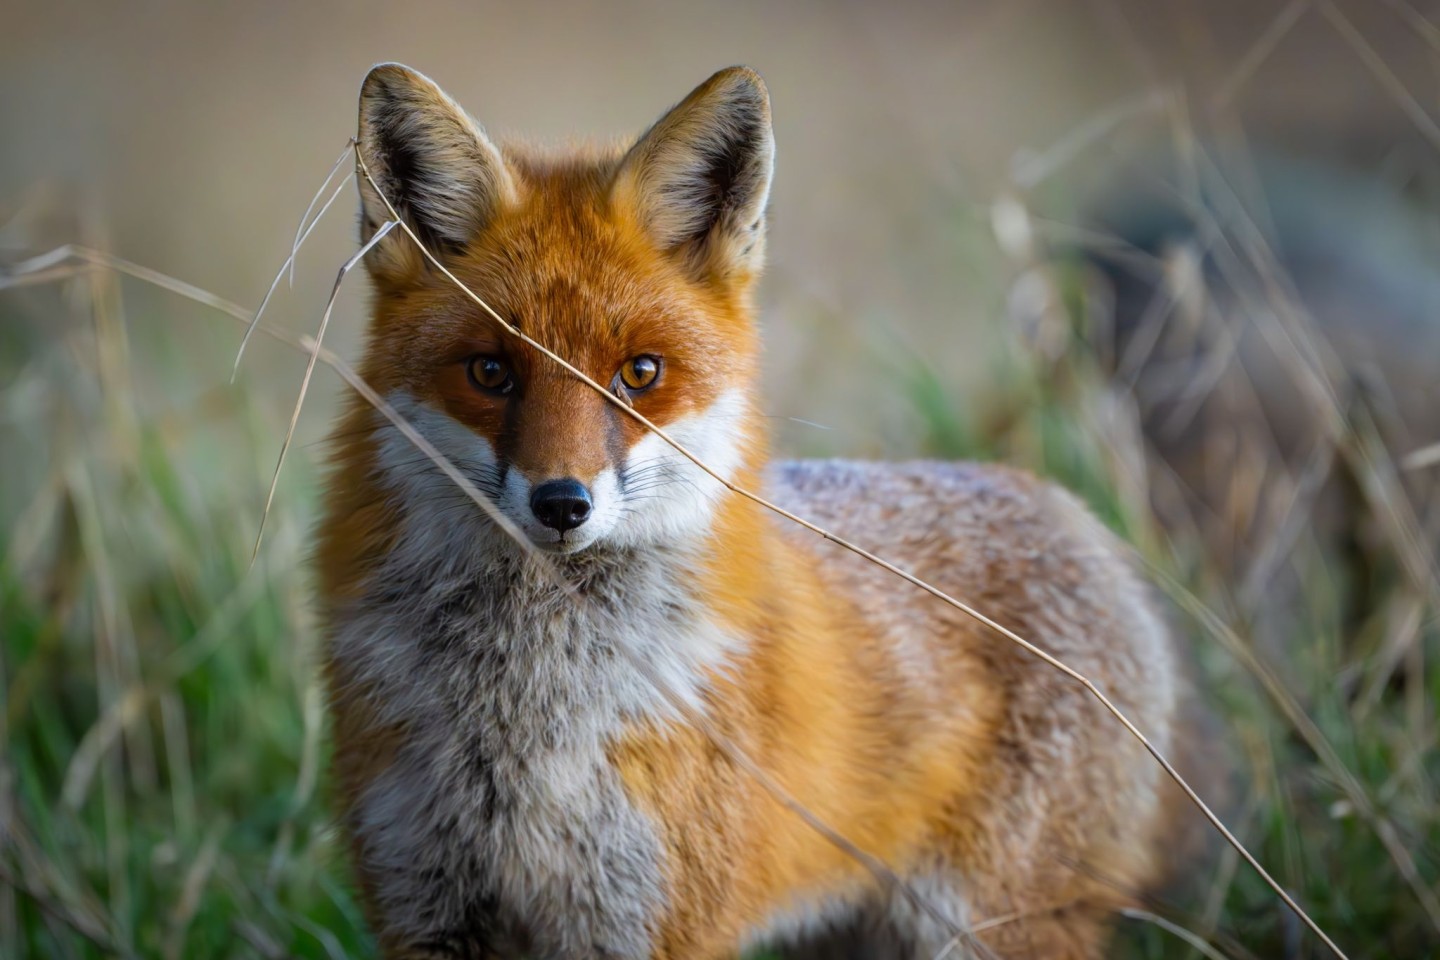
310, 373
37, 277
1393, 85
1400, 638
358, 384
125, 710
1293, 337
910, 578
289, 265
24, 868
79, 257
1245, 259
42, 268
1264, 45
991, 923
1300, 721
1422, 458
1192, 938
1381, 485
87, 926
195, 879
330, 175
1417, 21
1029, 170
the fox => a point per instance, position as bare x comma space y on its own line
509, 781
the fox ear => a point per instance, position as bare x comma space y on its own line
431, 161
699, 179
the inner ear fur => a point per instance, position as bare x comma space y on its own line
699, 179
433, 162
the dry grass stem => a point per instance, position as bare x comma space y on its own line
1259, 52
289, 264
301, 231
1300, 722
1422, 458
1392, 84
310, 372
1192, 938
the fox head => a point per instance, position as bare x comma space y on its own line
636, 265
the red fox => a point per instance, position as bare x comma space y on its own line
510, 784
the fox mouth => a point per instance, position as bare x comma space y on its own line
569, 542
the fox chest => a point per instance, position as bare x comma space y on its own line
542, 854
499, 823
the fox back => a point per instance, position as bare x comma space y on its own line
537, 699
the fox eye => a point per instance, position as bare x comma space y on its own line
640, 373
490, 374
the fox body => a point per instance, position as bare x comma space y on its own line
511, 783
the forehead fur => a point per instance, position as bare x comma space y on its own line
574, 269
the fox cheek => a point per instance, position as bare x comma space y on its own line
669, 497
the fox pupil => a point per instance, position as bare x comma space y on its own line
489, 374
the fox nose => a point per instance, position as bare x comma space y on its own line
561, 504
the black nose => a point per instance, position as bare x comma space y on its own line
561, 504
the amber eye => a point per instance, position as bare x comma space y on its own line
640, 372
490, 374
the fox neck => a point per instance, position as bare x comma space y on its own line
455, 622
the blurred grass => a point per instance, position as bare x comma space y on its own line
163, 784
163, 723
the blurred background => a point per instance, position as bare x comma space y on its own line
1179, 254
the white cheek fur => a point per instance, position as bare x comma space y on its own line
672, 501
682, 502
408, 471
